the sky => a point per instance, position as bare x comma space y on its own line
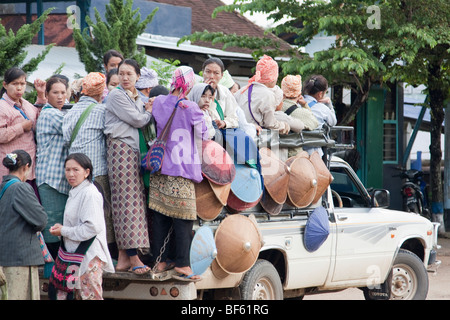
257, 18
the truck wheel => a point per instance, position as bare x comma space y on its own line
261, 282
409, 277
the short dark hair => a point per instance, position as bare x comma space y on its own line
22, 158
211, 89
158, 90
133, 63
84, 161
110, 74
11, 75
315, 83
111, 53
213, 60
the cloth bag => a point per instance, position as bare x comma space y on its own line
66, 271
153, 160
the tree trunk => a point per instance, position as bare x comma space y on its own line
360, 99
437, 97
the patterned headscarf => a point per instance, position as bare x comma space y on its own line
148, 79
94, 84
266, 71
183, 78
292, 86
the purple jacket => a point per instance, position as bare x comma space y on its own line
182, 157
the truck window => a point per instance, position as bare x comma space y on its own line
347, 189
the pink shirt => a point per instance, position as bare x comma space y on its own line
12, 136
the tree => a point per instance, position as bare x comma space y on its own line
12, 46
390, 41
119, 32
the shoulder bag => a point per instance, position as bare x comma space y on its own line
66, 271
153, 160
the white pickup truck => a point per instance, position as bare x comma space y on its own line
384, 252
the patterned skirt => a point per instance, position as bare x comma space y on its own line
172, 196
127, 196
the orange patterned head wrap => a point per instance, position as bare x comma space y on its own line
94, 84
292, 86
266, 71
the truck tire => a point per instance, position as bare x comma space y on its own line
261, 282
409, 278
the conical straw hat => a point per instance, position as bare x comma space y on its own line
217, 165
208, 205
324, 176
238, 243
302, 182
276, 175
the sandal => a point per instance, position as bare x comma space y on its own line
135, 270
185, 277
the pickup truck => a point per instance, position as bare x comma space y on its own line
385, 253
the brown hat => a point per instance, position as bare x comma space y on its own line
269, 205
208, 205
324, 176
276, 175
238, 242
302, 182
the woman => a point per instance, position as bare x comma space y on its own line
315, 89
51, 153
223, 110
203, 95
18, 118
90, 139
83, 220
262, 92
172, 192
294, 104
125, 114
22, 216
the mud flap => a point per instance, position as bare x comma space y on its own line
381, 291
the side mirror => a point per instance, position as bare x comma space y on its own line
380, 198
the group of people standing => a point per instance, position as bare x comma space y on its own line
80, 170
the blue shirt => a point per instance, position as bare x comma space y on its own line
90, 139
51, 150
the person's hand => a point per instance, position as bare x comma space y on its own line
220, 124
286, 128
39, 85
325, 100
55, 230
258, 129
149, 104
302, 101
27, 125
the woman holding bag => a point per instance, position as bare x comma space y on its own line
22, 217
125, 115
172, 192
84, 221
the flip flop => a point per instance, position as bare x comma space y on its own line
184, 277
140, 267
169, 266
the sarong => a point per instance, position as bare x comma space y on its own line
127, 196
172, 196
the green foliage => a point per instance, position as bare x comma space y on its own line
12, 46
164, 68
120, 30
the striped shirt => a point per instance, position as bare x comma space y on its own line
12, 136
90, 139
51, 150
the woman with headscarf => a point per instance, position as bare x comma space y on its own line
90, 139
125, 114
258, 98
172, 192
203, 95
294, 104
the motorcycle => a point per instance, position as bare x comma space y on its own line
414, 197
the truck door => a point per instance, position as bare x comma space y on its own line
362, 253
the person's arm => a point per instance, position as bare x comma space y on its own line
122, 106
27, 205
